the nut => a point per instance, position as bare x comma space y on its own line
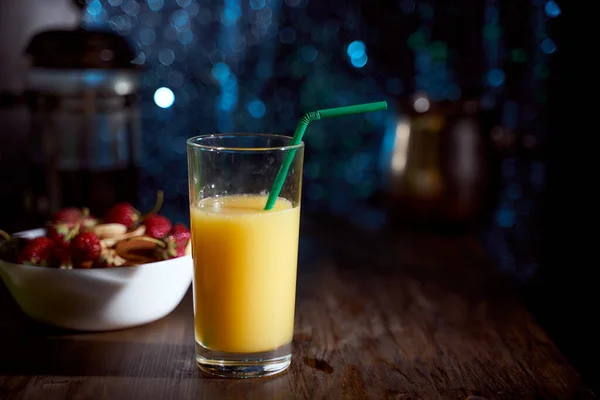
104, 231
135, 250
110, 242
89, 223
139, 231
110, 258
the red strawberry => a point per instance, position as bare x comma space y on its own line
69, 214
157, 226
62, 233
176, 242
123, 213
39, 251
85, 250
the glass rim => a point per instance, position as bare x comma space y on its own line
193, 142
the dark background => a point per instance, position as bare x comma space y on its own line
280, 59
301, 55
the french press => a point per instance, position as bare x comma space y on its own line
85, 141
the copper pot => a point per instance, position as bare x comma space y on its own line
440, 166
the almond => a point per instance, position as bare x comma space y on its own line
111, 242
139, 231
108, 243
104, 231
136, 250
112, 259
89, 223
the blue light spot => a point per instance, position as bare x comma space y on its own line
360, 61
552, 9
495, 77
91, 20
180, 18
155, 5
228, 98
147, 36
114, 3
505, 218
184, 3
231, 14
220, 71
94, 8
164, 97
230, 85
308, 53
257, 109
227, 101
185, 37
548, 46
257, 4
94, 77
192, 9
130, 7
356, 49
166, 56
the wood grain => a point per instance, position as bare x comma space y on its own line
387, 316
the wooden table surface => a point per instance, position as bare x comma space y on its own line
394, 316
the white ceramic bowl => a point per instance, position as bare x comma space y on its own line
98, 299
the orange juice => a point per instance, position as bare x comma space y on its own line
245, 263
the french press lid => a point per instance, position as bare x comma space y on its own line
80, 48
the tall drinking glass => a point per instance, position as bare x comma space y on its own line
245, 258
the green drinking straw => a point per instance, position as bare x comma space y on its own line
301, 128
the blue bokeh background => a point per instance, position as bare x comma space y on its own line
258, 65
